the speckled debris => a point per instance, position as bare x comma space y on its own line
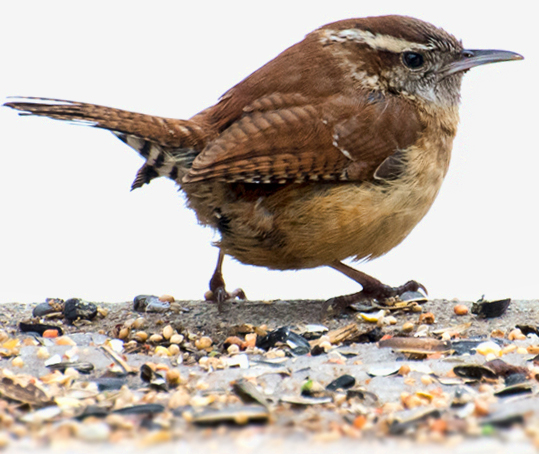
160, 377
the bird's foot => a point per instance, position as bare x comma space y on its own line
381, 292
217, 292
373, 291
219, 295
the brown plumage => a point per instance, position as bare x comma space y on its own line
334, 149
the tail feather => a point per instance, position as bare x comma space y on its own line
160, 161
169, 146
166, 132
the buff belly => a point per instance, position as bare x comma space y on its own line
308, 225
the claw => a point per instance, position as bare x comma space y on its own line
410, 286
238, 294
220, 295
373, 289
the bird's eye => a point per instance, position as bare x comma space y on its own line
413, 60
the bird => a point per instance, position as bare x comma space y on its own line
333, 150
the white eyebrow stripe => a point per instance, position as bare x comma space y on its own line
376, 41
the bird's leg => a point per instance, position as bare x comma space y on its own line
372, 288
218, 292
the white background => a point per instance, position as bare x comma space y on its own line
71, 227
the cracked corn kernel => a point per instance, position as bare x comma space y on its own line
203, 343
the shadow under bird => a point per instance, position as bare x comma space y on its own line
335, 149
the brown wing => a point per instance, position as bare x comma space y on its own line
341, 139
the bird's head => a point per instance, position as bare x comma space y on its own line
405, 56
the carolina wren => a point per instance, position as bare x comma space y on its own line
335, 149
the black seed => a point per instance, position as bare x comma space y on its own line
343, 382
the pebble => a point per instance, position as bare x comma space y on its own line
149, 303
461, 309
75, 309
50, 307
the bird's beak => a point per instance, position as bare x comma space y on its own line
470, 58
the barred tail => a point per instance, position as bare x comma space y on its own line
168, 145
161, 161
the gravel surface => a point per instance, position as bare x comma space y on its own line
206, 378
